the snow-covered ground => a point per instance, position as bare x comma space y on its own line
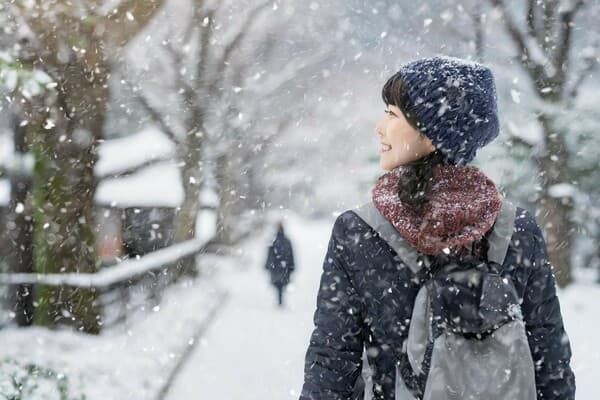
252, 349
581, 314
255, 350
130, 362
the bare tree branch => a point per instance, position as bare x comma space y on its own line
564, 40
189, 31
137, 168
478, 32
512, 28
526, 58
531, 19
591, 63
520, 141
157, 117
547, 37
190, 94
251, 19
178, 61
204, 46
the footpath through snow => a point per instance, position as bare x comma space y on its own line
253, 349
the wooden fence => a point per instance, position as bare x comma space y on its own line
130, 285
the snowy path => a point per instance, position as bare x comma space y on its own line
256, 351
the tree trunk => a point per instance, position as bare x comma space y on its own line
227, 212
21, 233
556, 214
63, 195
71, 49
234, 181
479, 32
192, 178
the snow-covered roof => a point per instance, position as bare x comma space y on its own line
4, 192
106, 277
6, 148
6, 157
156, 185
121, 154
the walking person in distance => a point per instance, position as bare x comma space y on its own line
280, 262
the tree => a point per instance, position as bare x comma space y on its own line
544, 51
215, 74
197, 78
75, 47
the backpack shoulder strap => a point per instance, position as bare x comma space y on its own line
498, 239
371, 215
502, 230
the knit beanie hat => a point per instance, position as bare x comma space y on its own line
454, 104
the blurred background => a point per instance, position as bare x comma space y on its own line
148, 149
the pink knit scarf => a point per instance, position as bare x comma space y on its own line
463, 205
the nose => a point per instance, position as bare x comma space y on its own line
378, 128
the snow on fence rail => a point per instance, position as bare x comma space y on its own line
127, 269
124, 287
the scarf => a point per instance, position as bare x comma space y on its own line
462, 207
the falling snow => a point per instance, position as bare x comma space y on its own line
147, 154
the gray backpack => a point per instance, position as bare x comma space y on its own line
466, 338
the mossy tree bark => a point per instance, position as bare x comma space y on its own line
66, 126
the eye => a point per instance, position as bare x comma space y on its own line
389, 112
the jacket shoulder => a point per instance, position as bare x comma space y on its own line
348, 222
526, 227
525, 221
529, 238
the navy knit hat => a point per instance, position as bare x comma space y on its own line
454, 104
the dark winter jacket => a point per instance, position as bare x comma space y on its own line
366, 296
280, 260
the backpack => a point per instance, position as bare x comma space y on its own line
466, 338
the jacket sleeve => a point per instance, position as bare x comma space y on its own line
548, 341
333, 359
289, 255
269, 258
292, 263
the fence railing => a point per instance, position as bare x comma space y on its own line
124, 287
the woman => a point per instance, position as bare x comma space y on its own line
439, 112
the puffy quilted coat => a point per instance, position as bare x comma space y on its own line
365, 301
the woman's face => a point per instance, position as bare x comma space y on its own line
400, 142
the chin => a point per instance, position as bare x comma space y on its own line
386, 166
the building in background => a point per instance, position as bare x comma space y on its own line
138, 193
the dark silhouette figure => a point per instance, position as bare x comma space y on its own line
280, 262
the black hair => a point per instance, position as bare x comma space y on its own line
417, 175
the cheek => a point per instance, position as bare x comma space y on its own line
399, 138
404, 143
